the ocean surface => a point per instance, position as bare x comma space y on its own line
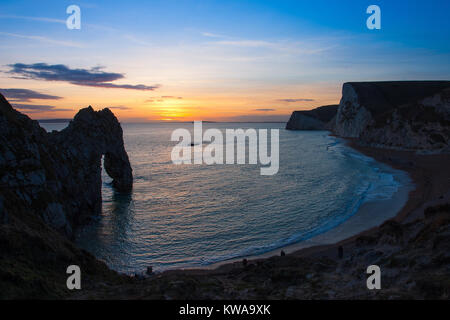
193, 215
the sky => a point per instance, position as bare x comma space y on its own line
211, 60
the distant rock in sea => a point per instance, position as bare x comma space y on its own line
316, 119
411, 115
57, 176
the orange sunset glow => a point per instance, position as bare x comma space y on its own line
187, 104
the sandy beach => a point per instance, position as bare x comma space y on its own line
370, 214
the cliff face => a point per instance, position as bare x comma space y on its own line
419, 126
49, 183
413, 115
57, 176
80, 148
316, 119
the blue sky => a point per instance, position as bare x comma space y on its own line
222, 60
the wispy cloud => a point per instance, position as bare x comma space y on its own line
296, 100
258, 118
36, 108
171, 97
25, 95
277, 45
93, 77
120, 107
42, 19
212, 35
284, 46
247, 43
162, 98
44, 40
137, 40
264, 110
142, 87
54, 20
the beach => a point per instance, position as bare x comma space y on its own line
370, 215
425, 182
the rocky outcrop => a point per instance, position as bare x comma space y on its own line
316, 119
413, 115
57, 176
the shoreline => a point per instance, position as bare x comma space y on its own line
354, 226
430, 186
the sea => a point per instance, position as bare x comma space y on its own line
193, 215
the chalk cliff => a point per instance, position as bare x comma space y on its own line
316, 119
412, 115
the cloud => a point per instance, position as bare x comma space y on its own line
258, 118
53, 20
161, 99
119, 86
212, 35
136, 40
120, 107
247, 43
36, 108
295, 100
285, 47
25, 95
44, 39
265, 110
43, 19
93, 77
171, 97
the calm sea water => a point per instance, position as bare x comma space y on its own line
193, 215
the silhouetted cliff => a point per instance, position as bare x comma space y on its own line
315, 119
49, 184
57, 176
